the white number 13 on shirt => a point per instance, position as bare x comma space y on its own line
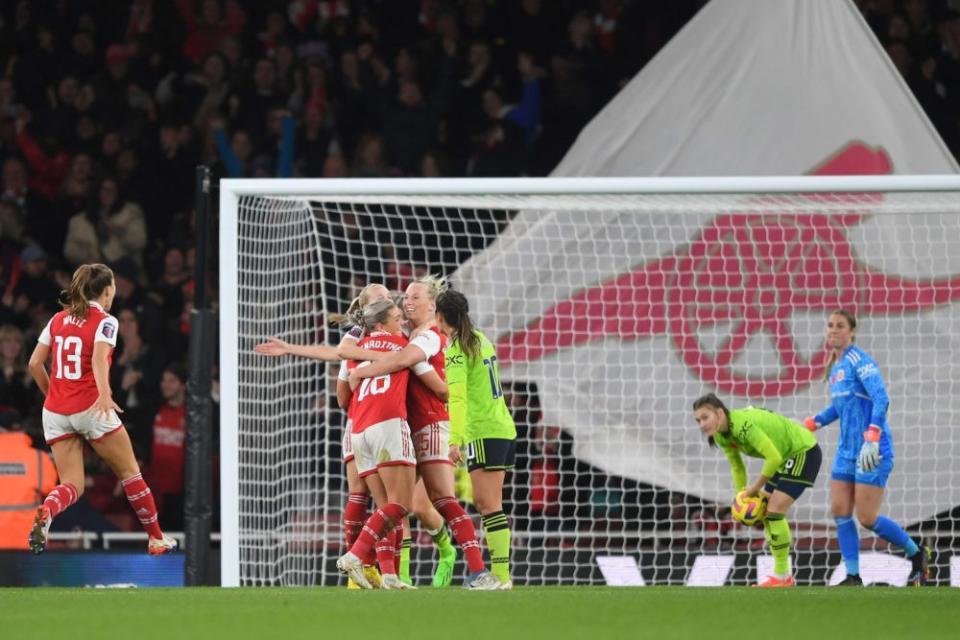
73, 346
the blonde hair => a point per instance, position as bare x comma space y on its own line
354, 313
377, 313
88, 283
435, 285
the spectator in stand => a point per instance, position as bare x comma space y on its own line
33, 286
75, 190
250, 106
170, 159
113, 105
110, 229
236, 155
37, 209
47, 171
369, 160
211, 89
82, 61
216, 22
335, 166
357, 111
313, 142
11, 231
170, 287
60, 118
134, 378
130, 295
166, 470
16, 388
310, 89
280, 141
110, 146
410, 126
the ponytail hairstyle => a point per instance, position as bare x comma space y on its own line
711, 400
852, 321
456, 313
376, 313
354, 313
88, 283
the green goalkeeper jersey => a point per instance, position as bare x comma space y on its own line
477, 407
760, 433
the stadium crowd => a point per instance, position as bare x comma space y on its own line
107, 106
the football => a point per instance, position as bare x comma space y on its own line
748, 511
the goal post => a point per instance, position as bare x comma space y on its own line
613, 303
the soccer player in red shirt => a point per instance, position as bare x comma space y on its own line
382, 446
358, 498
430, 422
79, 404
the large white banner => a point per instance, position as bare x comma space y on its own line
623, 321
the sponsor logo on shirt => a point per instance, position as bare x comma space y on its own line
838, 377
107, 330
454, 360
867, 370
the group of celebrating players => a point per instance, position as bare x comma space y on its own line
403, 363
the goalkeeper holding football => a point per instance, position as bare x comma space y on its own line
791, 462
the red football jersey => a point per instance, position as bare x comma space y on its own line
423, 406
384, 397
167, 459
71, 340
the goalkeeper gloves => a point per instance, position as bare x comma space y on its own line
811, 424
870, 451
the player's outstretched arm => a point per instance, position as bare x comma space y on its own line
38, 368
822, 419
278, 347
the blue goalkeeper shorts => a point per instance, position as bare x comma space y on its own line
845, 470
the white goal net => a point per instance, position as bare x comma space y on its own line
613, 305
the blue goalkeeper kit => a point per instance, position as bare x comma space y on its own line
859, 400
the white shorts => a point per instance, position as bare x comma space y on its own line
384, 444
57, 426
433, 443
347, 444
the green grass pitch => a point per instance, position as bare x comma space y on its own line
593, 613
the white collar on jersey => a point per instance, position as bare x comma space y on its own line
96, 305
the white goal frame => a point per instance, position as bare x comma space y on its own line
232, 189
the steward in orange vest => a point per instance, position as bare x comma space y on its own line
26, 476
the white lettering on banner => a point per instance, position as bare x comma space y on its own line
710, 571
620, 571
